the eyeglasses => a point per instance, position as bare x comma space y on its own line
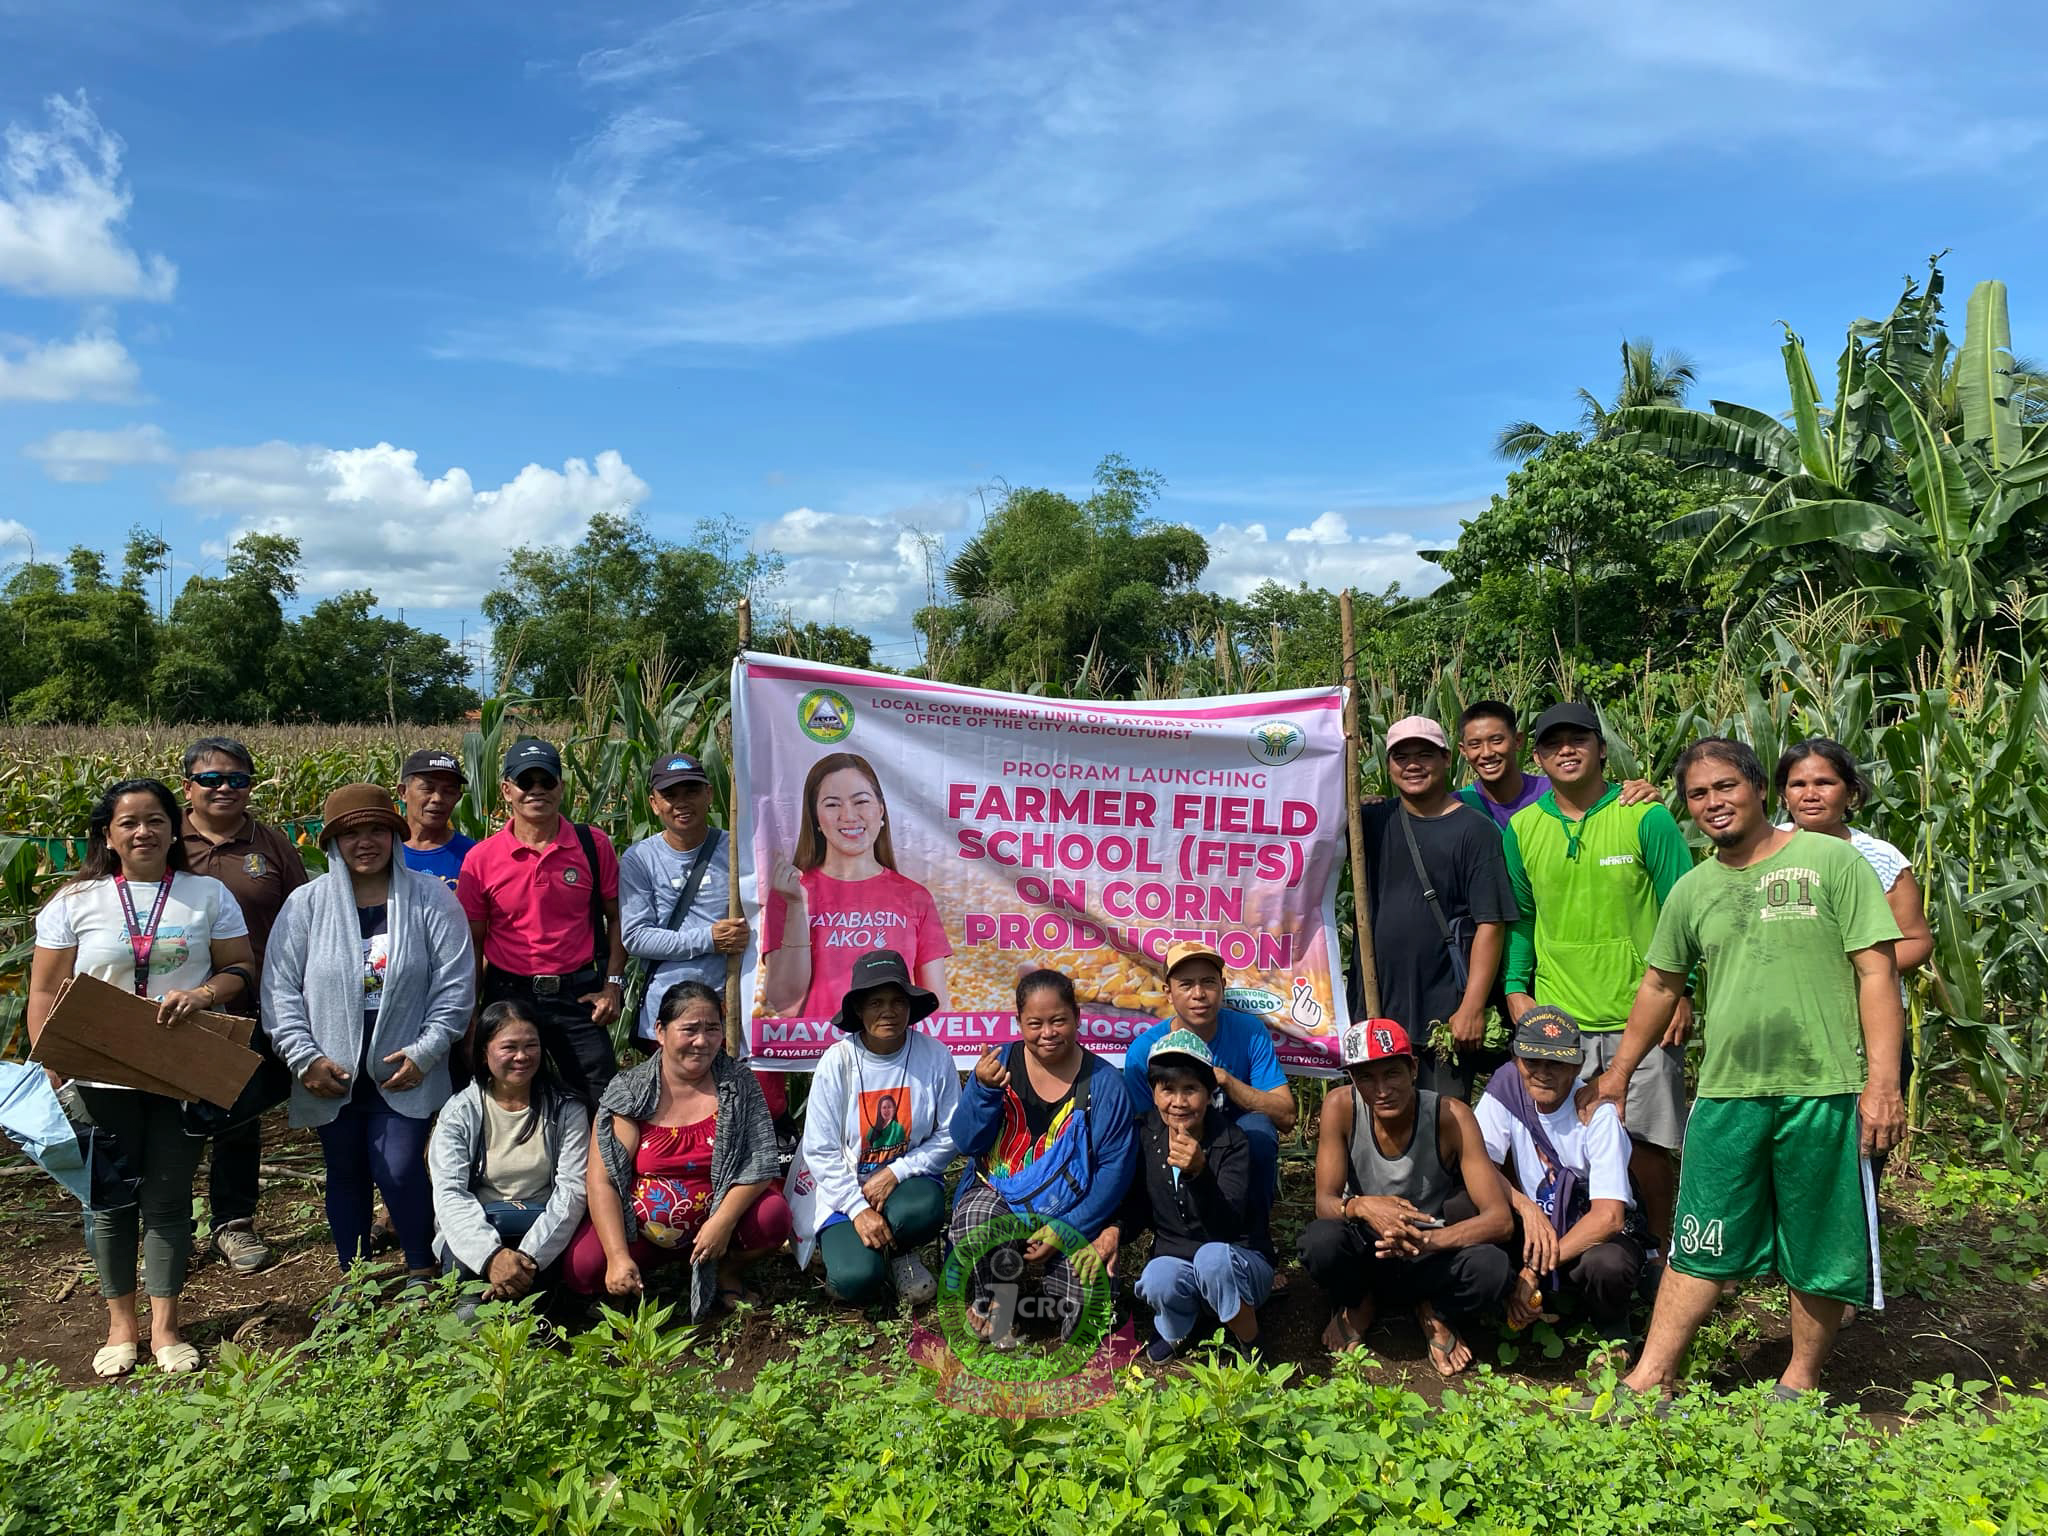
212, 780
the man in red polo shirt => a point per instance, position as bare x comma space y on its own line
544, 920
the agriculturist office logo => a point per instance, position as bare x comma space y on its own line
825, 716
1277, 742
1024, 1368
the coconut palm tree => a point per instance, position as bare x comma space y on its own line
1648, 377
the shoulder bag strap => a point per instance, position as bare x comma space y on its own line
1428, 891
598, 955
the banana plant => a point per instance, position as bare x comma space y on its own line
1912, 492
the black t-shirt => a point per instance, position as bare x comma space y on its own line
1469, 871
375, 924
1037, 1112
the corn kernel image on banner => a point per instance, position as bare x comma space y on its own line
984, 835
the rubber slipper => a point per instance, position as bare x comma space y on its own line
1440, 1356
114, 1360
177, 1359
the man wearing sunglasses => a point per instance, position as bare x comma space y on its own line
259, 864
542, 897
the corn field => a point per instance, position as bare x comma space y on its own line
1957, 755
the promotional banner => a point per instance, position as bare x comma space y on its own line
983, 835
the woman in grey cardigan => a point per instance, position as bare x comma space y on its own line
367, 984
683, 1165
507, 1161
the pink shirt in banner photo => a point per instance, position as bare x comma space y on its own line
848, 918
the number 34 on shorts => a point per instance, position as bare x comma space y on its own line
1696, 1236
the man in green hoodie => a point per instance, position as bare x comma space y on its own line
1590, 875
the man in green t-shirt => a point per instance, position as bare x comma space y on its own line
1590, 874
1800, 1081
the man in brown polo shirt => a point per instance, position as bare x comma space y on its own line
260, 865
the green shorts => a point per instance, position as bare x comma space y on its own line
1779, 1185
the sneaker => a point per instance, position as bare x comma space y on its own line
914, 1283
1159, 1351
237, 1242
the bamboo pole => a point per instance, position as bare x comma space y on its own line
734, 1039
1354, 755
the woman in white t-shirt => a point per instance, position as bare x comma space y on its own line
135, 916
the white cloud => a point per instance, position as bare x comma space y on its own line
79, 456
866, 571
367, 517
16, 541
62, 202
91, 366
770, 172
1326, 553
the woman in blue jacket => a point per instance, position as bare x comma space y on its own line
1048, 1129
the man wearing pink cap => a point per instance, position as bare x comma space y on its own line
1441, 904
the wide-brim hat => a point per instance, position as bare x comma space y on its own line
359, 805
875, 970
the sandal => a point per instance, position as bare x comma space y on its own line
113, 1360
177, 1359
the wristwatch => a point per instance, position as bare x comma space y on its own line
615, 981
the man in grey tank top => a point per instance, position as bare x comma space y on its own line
1410, 1211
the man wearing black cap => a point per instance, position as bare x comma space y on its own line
673, 888
542, 898
1590, 875
1569, 1182
431, 784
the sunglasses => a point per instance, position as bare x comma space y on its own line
212, 780
535, 779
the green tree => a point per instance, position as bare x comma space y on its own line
1648, 377
342, 661
832, 643
1577, 526
1056, 595
76, 648
564, 618
225, 632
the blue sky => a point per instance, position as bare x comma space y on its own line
415, 283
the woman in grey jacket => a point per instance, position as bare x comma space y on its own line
367, 984
507, 1160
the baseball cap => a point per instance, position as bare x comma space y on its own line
1183, 1048
1417, 728
1179, 954
1548, 1033
531, 752
429, 760
1375, 1040
680, 769
1577, 716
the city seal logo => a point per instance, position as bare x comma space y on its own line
570, 876
825, 716
1277, 742
254, 866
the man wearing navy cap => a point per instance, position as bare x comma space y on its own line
673, 889
431, 784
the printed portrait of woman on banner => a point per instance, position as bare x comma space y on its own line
840, 896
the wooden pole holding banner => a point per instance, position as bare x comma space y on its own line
1354, 757
734, 1041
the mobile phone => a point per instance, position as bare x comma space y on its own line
1427, 1221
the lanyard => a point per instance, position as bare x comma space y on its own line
142, 940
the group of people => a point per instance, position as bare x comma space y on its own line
443, 1014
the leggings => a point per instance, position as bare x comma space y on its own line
915, 1211
149, 1136
370, 1146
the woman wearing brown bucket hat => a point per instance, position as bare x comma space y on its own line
367, 985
